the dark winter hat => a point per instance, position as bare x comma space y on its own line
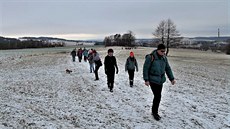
160, 46
110, 50
94, 51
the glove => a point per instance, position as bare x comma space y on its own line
117, 71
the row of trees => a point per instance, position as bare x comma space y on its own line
11, 43
166, 32
127, 39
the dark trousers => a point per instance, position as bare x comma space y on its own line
73, 58
79, 58
156, 89
131, 76
96, 72
85, 58
110, 79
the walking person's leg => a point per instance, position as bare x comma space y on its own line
96, 73
91, 67
73, 57
108, 80
156, 89
112, 81
131, 77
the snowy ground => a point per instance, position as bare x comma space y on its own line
36, 93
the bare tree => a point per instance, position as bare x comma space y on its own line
171, 33
166, 31
161, 31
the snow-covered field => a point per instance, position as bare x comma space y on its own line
36, 92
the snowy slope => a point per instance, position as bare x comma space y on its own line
36, 92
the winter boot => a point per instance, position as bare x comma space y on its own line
111, 87
131, 83
156, 117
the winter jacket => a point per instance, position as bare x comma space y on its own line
73, 53
90, 58
96, 57
131, 63
97, 60
110, 64
85, 53
79, 52
154, 69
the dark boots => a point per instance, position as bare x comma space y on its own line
131, 83
110, 86
156, 117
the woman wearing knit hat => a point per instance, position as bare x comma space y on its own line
130, 65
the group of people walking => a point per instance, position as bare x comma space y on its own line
154, 69
110, 64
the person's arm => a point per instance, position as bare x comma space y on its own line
105, 65
169, 73
115, 61
126, 64
136, 64
146, 68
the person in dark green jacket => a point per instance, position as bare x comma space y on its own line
154, 69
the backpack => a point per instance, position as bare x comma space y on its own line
152, 60
99, 63
152, 57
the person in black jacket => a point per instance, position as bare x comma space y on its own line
110, 65
73, 54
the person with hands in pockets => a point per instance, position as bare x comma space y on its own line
154, 69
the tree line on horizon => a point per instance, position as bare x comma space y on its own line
13, 43
166, 32
127, 39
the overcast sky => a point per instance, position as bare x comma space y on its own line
95, 19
